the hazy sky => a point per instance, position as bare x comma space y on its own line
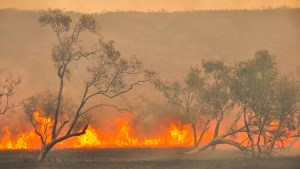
143, 5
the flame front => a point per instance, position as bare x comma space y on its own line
123, 135
25, 140
177, 134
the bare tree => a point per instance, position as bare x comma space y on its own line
109, 74
8, 86
187, 96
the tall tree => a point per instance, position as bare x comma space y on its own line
109, 74
252, 86
218, 93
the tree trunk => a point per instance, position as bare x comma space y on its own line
219, 141
216, 133
43, 153
59, 97
249, 135
295, 140
202, 133
195, 135
259, 136
47, 148
276, 134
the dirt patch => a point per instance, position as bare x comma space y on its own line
163, 158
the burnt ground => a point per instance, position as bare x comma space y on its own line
146, 158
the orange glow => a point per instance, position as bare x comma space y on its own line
41, 120
90, 138
177, 134
274, 124
23, 140
123, 135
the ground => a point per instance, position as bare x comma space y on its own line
146, 158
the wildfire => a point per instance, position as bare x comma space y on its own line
89, 139
41, 120
177, 134
123, 135
23, 140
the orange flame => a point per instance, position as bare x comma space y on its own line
124, 135
176, 135
22, 142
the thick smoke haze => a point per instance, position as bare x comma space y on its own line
168, 43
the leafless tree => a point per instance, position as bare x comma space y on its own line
8, 86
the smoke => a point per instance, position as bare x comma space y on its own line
166, 43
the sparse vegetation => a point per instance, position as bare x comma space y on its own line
8, 87
246, 103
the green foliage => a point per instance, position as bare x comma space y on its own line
56, 19
70, 47
170, 91
87, 23
270, 101
286, 99
186, 94
110, 76
46, 101
217, 93
253, 80
193, 80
